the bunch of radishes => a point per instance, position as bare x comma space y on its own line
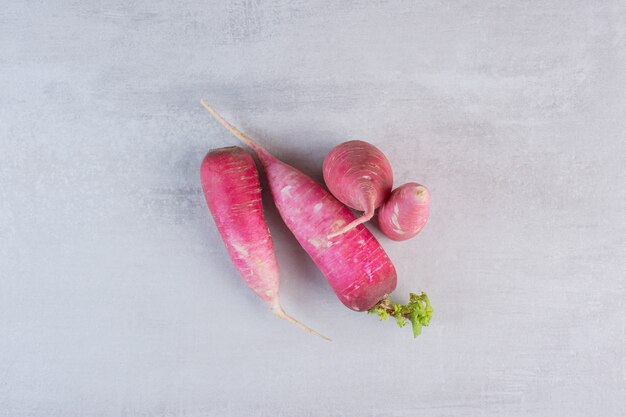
356, 266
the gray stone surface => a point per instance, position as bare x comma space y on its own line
116, 294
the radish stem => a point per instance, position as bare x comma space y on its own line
418, 311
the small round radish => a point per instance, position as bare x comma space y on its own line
354, 263
230, 181
359, 175
406, 212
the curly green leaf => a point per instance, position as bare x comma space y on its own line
418, 311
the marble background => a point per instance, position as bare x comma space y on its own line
117, 297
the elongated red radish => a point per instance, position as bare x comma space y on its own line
230, 181
355, 265
406, 212
359, 175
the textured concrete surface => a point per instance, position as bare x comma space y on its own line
116, 295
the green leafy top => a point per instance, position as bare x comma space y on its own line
418, 311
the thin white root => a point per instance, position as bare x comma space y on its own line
367, 216
278, 310
232, 129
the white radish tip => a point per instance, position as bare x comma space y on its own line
278, 310
232, 129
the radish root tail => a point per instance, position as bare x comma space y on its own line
278, 310
232, 129
367, 216
367, 202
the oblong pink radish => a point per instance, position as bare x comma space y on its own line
405, 214
230, 181
354, 264
360, 176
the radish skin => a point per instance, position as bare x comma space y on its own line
230, 182
405, 214
359, 175
355, 265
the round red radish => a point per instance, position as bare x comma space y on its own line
359, 175
406, 212
230, 181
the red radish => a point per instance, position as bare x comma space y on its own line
406, 212
360, 176
354, 264
230, 181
